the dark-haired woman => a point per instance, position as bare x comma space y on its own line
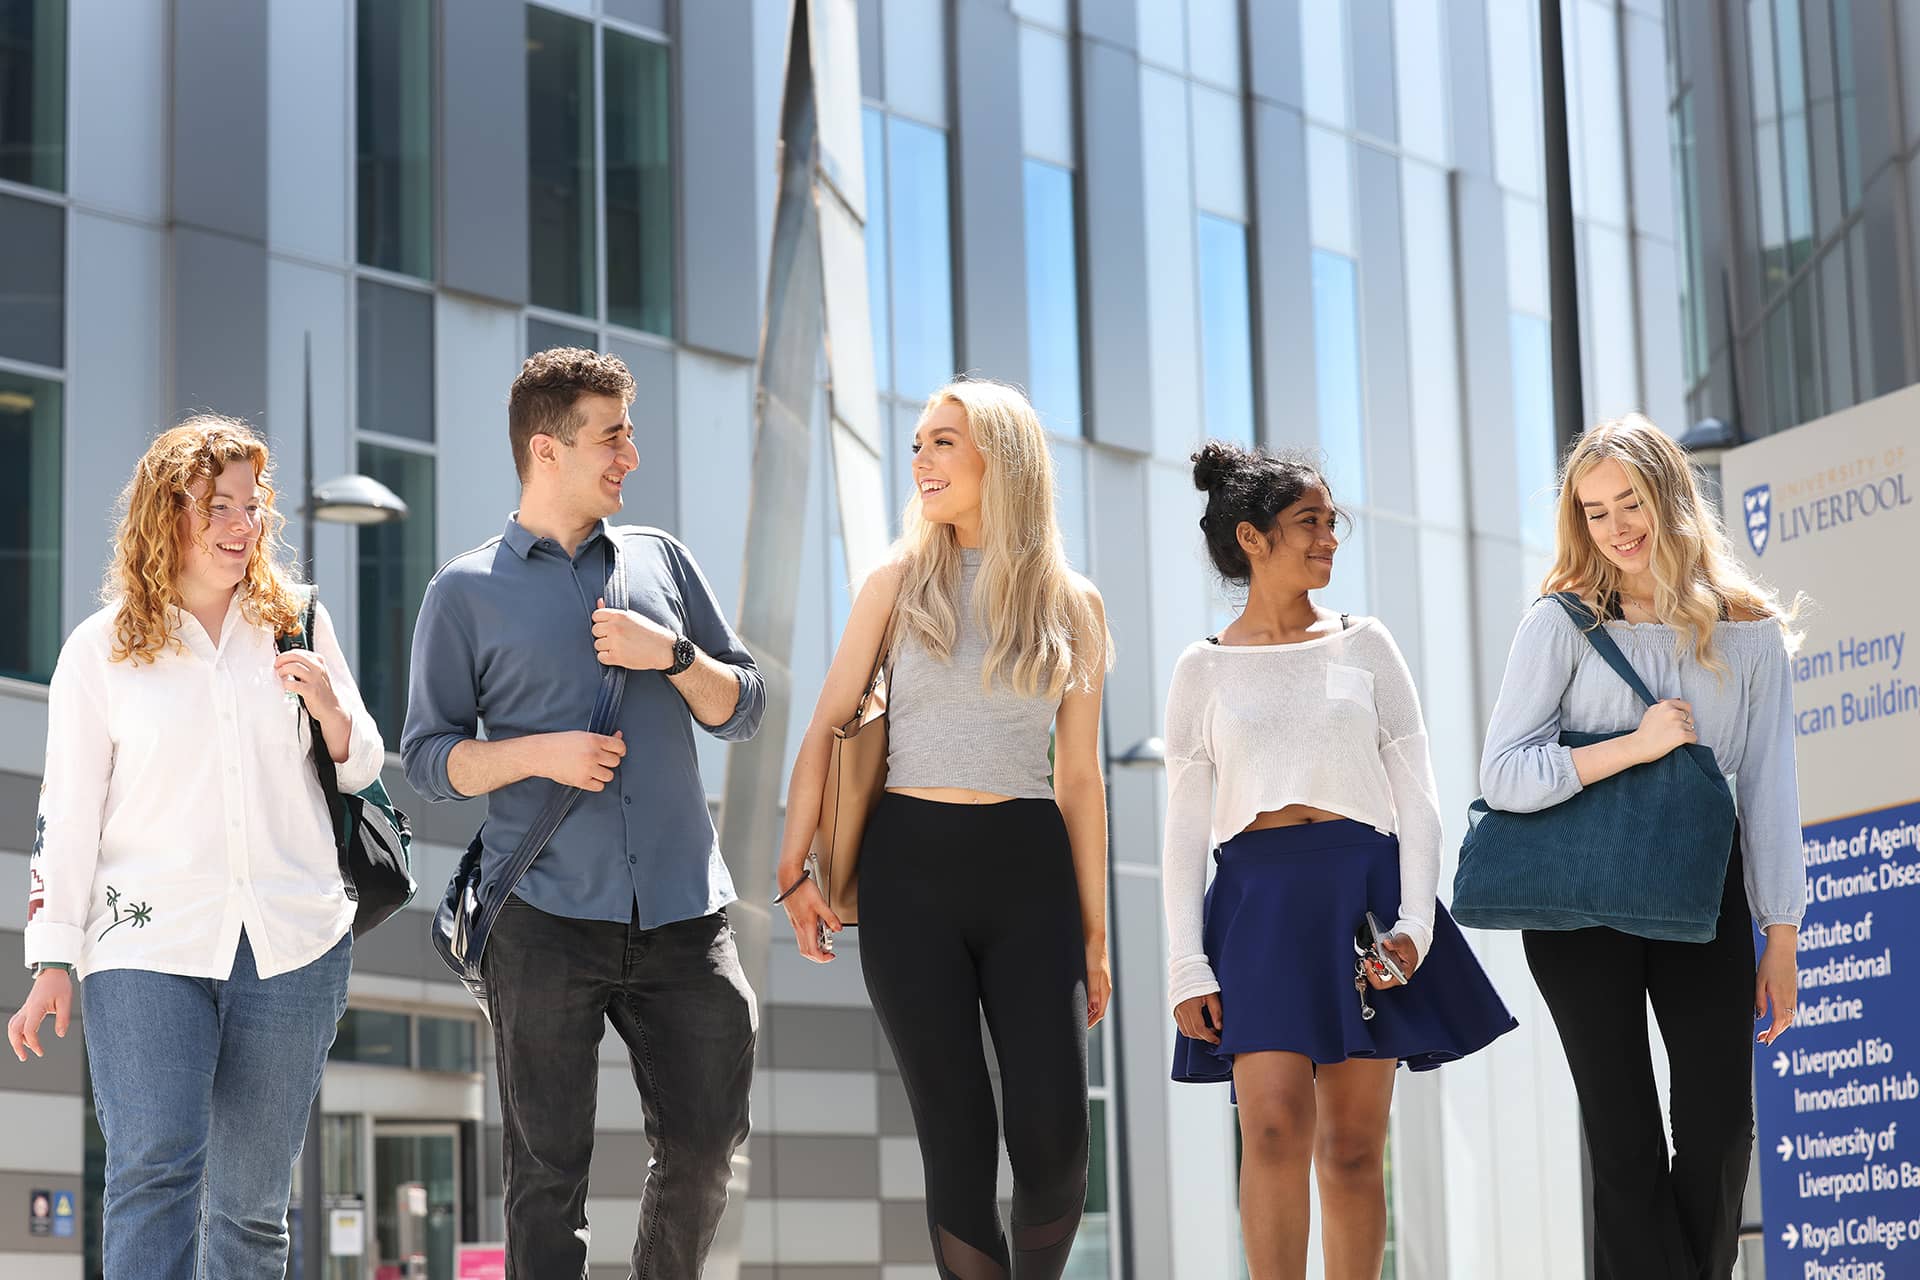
1297, 753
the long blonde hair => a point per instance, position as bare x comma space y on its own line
143, 575
1695, 572
1025, 597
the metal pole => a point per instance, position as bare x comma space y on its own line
1569, 412
306, 464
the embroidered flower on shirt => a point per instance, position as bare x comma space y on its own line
139, 914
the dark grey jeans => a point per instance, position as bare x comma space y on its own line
677, 997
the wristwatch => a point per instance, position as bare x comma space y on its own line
683, 655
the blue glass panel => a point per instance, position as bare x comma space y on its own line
1337, 375
1226, 334
1053, 298
922, 259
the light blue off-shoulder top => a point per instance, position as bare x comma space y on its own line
1555, 680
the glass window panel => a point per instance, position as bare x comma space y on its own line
1337, 375
1046, 96
1323, 61
1863, 380
1837, 329
1226, 333
1600, 159
874, 131
1329, 191
1419, 55
1219, 153
30, 439
1053, 298
1526, 228
1848, 95
560, 161
396, 562
1351, 584
33, 269
33, 93
639, 185
447, 1044
1779, 369
1693, 292
1796, 164
1809, 400
395, 344
1515, 98
393, 71
373, 1036
1097, 1058
922, 258
1533, 425
1770, 192
545, 335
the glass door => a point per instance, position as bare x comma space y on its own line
416, 1200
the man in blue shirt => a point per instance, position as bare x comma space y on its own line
622, 917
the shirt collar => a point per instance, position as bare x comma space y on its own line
523, 540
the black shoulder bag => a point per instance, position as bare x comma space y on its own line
473, 901
373, 839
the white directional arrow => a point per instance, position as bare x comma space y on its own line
1785, 1149
1780, 1064
1790, 1237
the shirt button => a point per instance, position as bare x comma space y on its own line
631, 859
626, 799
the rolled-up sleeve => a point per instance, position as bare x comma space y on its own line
1768, 789
73, 797
443, 700
708, 628
1523, 767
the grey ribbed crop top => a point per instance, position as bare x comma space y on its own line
944, 730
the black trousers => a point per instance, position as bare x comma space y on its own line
1654, 1219
971, 908
676, 995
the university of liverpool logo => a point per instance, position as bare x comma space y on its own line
1759, 505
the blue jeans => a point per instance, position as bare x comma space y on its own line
203, 1087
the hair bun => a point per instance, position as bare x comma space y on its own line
1215, 462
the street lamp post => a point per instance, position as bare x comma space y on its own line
358, 500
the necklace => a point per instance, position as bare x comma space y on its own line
1644, 606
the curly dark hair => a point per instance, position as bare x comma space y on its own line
1254, 485
545, 397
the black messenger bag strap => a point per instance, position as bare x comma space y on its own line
605, 718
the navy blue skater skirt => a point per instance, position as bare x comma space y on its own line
1280, 919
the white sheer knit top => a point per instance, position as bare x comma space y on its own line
1331, 722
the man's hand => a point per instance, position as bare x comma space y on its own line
623, 638
581, 759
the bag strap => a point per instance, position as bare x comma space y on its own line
323, 766
882, 662
1603, 644
605, 717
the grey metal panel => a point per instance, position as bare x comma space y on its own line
33, 275
1887, 327
1118, 545
903, 1232
1273, 51
1394, 561
812, 1038
15, 1236
1282, 273
219, 85
1486, 363
403, 948
896, 1112
831, 1167
873, 83
1114, 22
990, 227
619, 1167
481, 210
1468, 89
646, 13
1383, 330
719, 283
1140, 1028
1877, 101
1113, 213
1370, 63
59, 1071
1500, 596
219, 324
652, 492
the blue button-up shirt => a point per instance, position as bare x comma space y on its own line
505, 640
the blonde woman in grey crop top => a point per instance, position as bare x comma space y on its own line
1648, 556
983, 870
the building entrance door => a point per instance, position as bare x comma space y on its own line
416, 1200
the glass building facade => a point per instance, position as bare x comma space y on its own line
1314, 224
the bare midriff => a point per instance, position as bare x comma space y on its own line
950, 795
1294, 815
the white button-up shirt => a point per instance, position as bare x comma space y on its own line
180, 806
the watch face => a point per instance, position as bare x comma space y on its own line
683, 653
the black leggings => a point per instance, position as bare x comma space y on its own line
965, 908
1652, 1220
